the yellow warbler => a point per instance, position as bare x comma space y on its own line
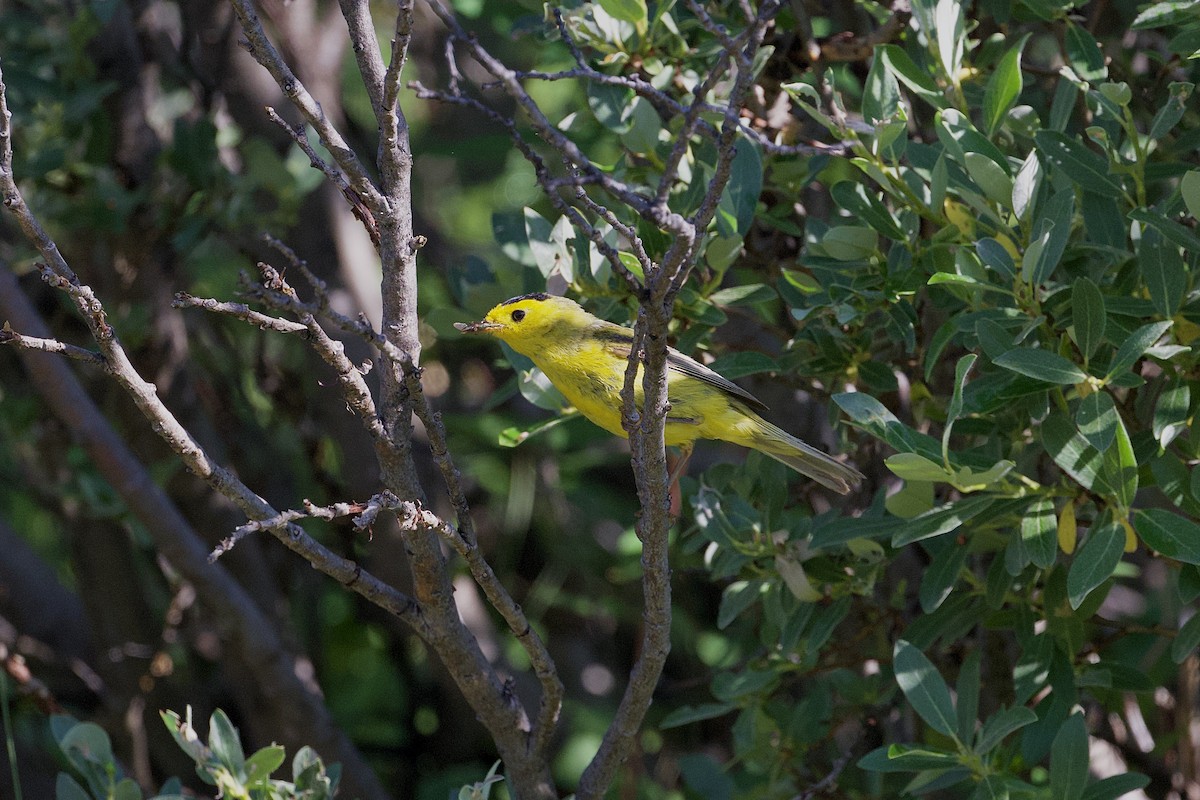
585, 358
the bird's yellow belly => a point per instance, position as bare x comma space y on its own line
710, 416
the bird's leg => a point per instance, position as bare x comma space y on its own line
685, 453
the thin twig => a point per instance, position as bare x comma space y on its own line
828, 782
366, 515
336, 176
265, 53
240, 311
281, 295
412, 515
10, 337
366, 48
403, 37
511, 83
59, 274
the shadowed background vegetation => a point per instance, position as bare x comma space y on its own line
986, 279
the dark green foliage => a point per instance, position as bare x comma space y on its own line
1021, 260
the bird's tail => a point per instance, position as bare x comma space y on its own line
805, 459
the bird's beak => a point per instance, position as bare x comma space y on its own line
483, 326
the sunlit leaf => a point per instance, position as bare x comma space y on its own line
924, 687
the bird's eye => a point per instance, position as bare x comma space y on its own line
518, 315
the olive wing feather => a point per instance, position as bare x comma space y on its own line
618, 342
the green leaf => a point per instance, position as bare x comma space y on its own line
729, 686
744, 295
1084, 53
1089, 316
939, 577
1188, 587
1077, 162
551, 246
1000, 725
86, 741
739, 201
66, 788
1171, 413
912, 76
913, 467
961, 370
968, 480
993, 255
611, 105
686, 715
905, 758
1115, 786
1121, 468
1116, 92
1042, 365
853, 197
627, 10
966, 281
913, 499
1163, 271
1062, 105
737, 597
645, 125
1097, 420
1025, 186
796, 579
1069, 760
225, 743
987, 174
511, 437
924, 687
998, 584
993, 787
1172, 230
850, 242
949, 31
1189, 188
1135, 346
1187, 640
826, 621
1003, 87
875, 418
1039, 531
1159, 15
1095, 561
126, 789
1170, 534
1050, 237
939, 177
959, 137
1071, 451
705, 777
1103, 221
1171, 112
260, 765
881, 94
966, 693
941, 520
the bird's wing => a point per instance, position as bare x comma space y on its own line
618, 342
686, 365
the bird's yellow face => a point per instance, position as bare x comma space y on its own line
528, 322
